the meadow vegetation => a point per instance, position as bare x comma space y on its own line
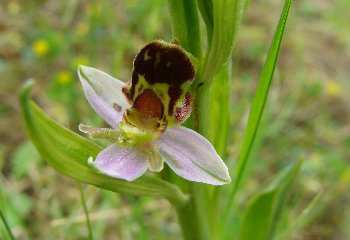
307, 113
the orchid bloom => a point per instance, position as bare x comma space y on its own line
145, 116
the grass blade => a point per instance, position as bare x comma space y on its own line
5, 230
306, 216
258, 104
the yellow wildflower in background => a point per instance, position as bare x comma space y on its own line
345, 177
64, 77
40, 47
332, 88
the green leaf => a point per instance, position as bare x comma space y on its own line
206, 9
68, 153
259, 101
262, 214
222, 19
185, 25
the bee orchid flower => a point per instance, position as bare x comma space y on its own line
145, 116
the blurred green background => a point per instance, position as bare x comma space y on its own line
307, 112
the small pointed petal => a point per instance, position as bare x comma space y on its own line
192, 156
154, 160
104, 94
107, 133
127, 163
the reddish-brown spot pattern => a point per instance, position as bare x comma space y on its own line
182, 113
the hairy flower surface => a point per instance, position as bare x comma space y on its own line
145, 116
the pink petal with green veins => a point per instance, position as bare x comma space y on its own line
192, 157
104, 94
127, 163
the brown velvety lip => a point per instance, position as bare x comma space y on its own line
148, 104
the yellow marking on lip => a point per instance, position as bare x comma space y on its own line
161, 90
146, 57
158, 59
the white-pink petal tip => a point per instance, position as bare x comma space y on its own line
192, 157
121, 162
104, 94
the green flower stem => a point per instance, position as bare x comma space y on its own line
221, 105
203, 111
196, 218
190, 228
203, 123
192, 216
